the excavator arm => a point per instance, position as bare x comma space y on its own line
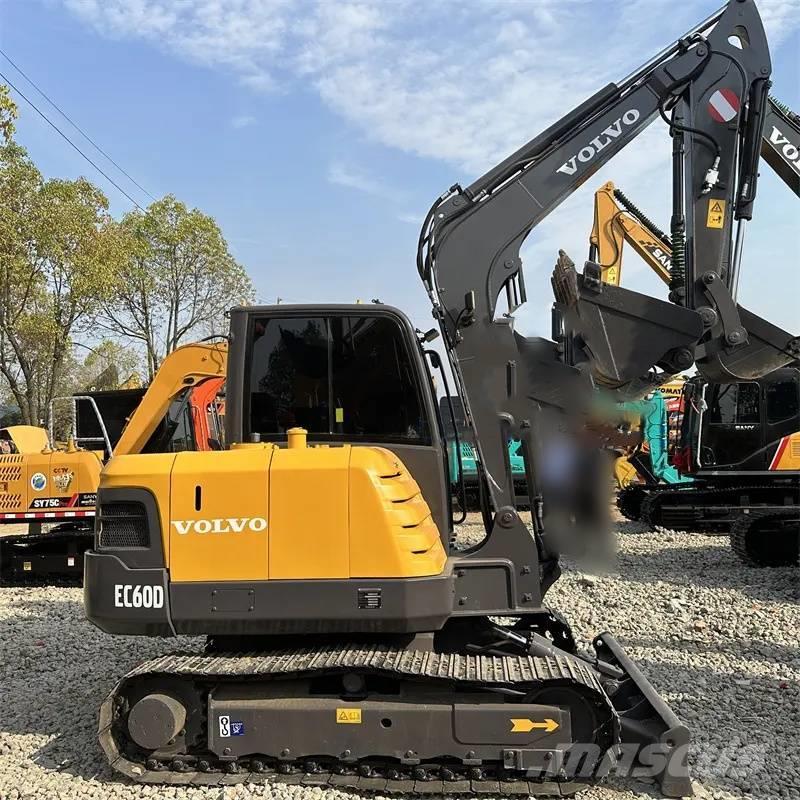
737, 344
780, 145
617, 221
469, 249
184, 368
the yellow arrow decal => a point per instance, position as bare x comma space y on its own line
528, 725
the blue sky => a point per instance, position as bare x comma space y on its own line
318, 134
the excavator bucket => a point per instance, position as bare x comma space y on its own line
768, 348
622, 333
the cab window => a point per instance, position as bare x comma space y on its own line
782, 401
341, 378
175, 433
734, 404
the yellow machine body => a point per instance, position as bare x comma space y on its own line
300, 512
612, 227
40, 481
625, 473
25, 438
787, 456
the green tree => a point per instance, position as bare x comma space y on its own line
8, 113
176, 281
107, 365
57, 250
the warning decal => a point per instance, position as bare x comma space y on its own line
723, 105
716, 213
348, 716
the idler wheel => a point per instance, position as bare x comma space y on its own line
155, 721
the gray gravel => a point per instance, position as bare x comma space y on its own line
719, 640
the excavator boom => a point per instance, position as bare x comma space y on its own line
182, 369
471, 239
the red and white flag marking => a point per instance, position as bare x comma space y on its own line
723, 105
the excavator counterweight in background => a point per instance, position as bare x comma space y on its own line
42, 484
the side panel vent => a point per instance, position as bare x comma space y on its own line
123, 525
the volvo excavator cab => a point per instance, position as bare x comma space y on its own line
348, 374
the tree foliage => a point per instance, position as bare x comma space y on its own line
152, 281
8, 113
108, 365
176, 280
57, 250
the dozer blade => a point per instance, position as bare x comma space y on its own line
768, 348
646, 721
622, 333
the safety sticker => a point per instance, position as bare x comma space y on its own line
229, 727
348, 716
340, 415
723, 105
525, 725
716, 213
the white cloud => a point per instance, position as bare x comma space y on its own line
781, 19
461, 82
353, 177
242, 121
411, 219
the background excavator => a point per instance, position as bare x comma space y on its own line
350, 642
42, 483
617, 222
739, 444
649, 461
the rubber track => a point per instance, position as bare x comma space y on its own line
657, 492
741, 527
459, 668
628, 497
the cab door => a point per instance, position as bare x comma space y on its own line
732, 427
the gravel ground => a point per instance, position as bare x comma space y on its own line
720, 641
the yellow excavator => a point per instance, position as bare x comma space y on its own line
350, 643
617, 222
42, 483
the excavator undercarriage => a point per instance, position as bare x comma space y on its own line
382, 718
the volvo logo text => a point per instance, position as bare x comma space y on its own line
790, 152
613, 131
227, 525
